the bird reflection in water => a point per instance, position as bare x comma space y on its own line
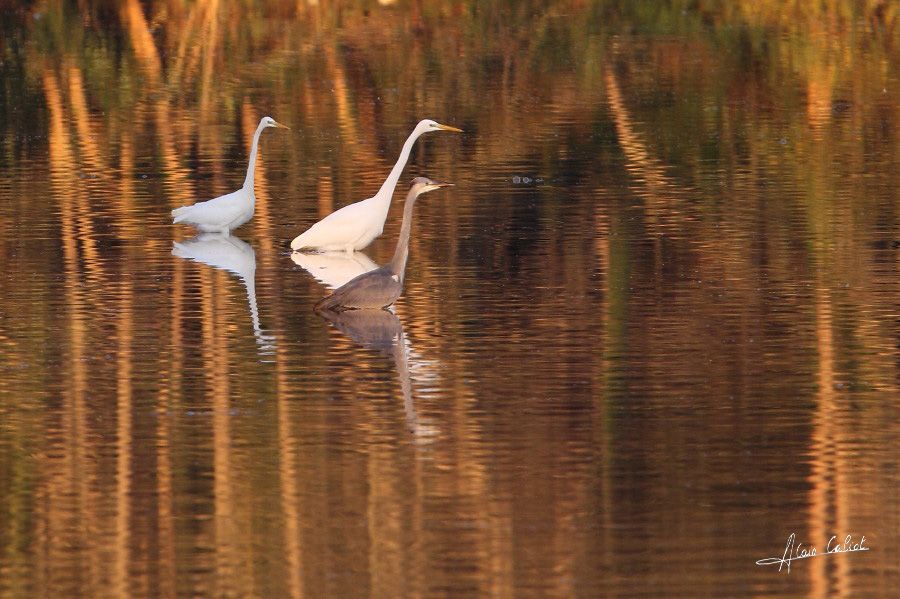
236, 256
382, 330
334, 269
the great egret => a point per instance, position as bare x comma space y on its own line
230, 211
354, 226
381, 287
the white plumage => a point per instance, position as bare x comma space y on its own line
228, 252
333, 269
230, 211
355, 226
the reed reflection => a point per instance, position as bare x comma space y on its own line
236, 256
382, 331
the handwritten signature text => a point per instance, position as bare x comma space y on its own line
794, 551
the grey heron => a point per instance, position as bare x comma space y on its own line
381, 287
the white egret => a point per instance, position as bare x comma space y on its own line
230, 211
381, 287
355, 226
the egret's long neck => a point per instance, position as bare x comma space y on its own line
397, 265
248, 181
387, 188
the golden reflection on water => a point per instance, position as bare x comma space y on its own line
592, 383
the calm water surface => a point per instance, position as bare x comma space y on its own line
651, 332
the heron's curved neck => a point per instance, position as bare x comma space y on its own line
248, 180
397, 265
387, 188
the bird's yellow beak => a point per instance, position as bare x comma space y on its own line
449, 128
437, 185
280, 126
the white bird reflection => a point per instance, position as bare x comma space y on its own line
382, 330
335, 268
234, 255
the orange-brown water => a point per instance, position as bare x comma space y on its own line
651, 331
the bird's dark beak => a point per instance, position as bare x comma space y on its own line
449, 128
437, 185
280, 126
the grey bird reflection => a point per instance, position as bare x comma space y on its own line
236, 256
334, 269
381, 287
382, 331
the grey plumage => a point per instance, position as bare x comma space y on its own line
373, 329
381, 287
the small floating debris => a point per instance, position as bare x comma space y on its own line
841, 106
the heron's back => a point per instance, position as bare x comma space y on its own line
372, 290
